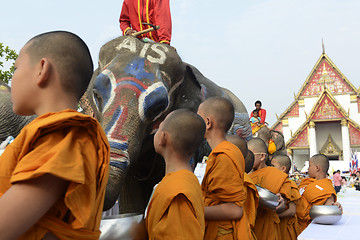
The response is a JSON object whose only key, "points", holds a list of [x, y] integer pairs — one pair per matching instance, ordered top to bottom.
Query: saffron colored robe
{"points": [[156, 12], [71, 146], [224, 182], [313, 192], [251, 202], [176, 208], [267, 221], [288, 224]]}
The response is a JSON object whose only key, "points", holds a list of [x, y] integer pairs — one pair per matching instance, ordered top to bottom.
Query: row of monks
{"points": [[226, 205]]}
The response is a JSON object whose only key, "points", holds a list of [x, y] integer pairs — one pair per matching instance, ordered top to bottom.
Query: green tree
{"points": [[7, 55]]}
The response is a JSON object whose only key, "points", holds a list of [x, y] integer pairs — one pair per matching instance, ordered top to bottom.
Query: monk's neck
{"points": [[215, 138], [175, 165], [262, 165], [320, 176]]}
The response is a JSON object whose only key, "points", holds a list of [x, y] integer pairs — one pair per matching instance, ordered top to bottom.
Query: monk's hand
{"points": [[130, 31], [282, 204], [339, 206], [138, 231]]}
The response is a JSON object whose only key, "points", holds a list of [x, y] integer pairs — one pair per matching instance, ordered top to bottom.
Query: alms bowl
{"points": [[267, 198], [325, 214], [118, 226]]}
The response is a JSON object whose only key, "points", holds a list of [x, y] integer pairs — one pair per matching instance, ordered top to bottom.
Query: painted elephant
{"points": [[135, 86], [10, 123], [277, 137]]}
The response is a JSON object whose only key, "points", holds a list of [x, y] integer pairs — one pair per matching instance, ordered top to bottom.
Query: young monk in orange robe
{"points": [[54, 174], [223, 183], [316, 190], [252, 196], [176, 208], [288, 219], [267, 220]]}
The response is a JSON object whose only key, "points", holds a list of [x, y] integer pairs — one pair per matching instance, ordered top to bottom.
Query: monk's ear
{"points": [[45, 69], [208, 123], [163, 138], [317, 167], [283, 168]]}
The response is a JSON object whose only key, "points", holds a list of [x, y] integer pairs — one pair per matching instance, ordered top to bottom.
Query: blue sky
{"points": [[259, 49]]}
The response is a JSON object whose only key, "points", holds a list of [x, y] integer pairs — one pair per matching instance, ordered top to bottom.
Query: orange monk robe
{"points": [[71, 146], [224, 182], [313, 192], [251, 202], [176, 208], [267, 221], [288, 224]]}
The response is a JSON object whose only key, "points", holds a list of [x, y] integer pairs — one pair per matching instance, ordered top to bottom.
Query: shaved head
{"points": [[69, 55], [221, 110], [187, 130], [239, 142], [257, 145], [249, 161], [283, 161], [322, 161]]}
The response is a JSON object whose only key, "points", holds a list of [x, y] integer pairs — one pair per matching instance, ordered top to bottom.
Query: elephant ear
{"points": [[189, 93], [278, 139]]}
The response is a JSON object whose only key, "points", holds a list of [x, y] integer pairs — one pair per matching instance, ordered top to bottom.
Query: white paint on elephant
{"points": [[128, 43], [144, 49], [161, 50], [112, 78], [175, 86], [142, 100]]}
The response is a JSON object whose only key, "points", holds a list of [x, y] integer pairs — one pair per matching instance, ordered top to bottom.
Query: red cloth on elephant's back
{"points": [[156, 12], [71, 146]]}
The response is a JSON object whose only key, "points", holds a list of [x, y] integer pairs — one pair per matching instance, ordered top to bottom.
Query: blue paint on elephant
{"points": [[137, 69], [103, 86], [155, 102], [114, 118], [122, 146], [122, 165]]}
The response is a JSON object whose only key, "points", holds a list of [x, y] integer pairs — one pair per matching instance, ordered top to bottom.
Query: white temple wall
{"points": [[344, 101], [309, 104], [354, 114], [300, 157]]}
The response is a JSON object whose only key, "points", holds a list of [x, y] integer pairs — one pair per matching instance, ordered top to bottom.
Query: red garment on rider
{"points": [[157, 12], [262, 115]]}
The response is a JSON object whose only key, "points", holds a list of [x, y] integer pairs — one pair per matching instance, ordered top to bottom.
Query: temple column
{"points": [[312, 139], [345, 140]]}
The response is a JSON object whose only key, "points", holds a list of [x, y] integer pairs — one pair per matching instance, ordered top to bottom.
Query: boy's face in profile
{"points": [[22, 84], [255, 114], [311, 169]]}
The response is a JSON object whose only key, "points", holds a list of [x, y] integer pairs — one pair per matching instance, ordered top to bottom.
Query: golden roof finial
{"points": [[323, 46]]}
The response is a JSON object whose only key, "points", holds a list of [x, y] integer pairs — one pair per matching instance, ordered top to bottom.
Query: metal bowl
{"points": [[267, 198], [325, 214], [118, 226]]}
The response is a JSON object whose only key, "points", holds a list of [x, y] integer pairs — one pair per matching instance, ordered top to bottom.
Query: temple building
{"points": [[323, 118]]}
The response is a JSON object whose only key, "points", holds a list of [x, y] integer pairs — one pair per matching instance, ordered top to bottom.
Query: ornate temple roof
{"points": [[324, 76], [326, 108]]}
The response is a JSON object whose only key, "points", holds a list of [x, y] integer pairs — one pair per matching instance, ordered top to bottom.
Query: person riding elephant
{"points": [[135, 86], [10, 123]]}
